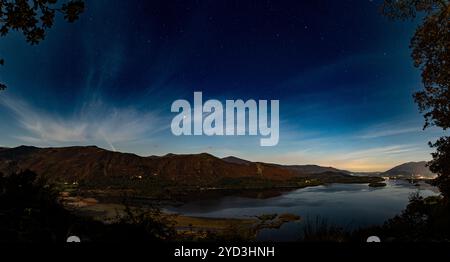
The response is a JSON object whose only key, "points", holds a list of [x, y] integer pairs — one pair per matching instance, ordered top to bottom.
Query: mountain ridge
{"points": [[72, 163], [97, 167]]}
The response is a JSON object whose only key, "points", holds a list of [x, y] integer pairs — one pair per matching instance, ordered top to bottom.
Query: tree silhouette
{"points": [[34, 18], [431, 53], [32, 211]]}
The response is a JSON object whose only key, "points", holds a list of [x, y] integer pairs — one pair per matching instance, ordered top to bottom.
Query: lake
{"points": [[348, 205]]}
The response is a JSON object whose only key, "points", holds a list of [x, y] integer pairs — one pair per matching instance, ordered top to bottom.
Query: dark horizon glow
{"points": [[342, 72]]}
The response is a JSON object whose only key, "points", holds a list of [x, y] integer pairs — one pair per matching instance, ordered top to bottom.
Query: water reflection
{"points": [[348, 205]]}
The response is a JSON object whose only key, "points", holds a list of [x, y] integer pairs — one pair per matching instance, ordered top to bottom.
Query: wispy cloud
{"points": [[95, 122], [389, 132], [378, 152]]}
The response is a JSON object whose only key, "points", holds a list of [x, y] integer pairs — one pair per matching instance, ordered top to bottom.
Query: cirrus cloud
{"points": [[95, 122]]}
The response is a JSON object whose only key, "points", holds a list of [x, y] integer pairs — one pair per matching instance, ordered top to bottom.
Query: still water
{"points": [[347, 205]]}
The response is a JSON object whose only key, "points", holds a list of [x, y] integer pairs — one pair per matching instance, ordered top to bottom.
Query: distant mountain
{"points": [[298, 169], [314, 169], [410, 170], [359, 173]]}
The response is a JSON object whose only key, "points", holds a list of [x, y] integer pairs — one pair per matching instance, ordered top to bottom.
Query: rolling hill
{"points": [[93, 163], [101, 168], [300, 170], [410, 170]]}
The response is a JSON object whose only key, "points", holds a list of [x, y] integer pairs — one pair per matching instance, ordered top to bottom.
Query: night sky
{"points": [[342, 72]]}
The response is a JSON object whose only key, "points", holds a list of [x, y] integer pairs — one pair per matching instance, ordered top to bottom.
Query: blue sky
{"points": [[342, 72]]}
